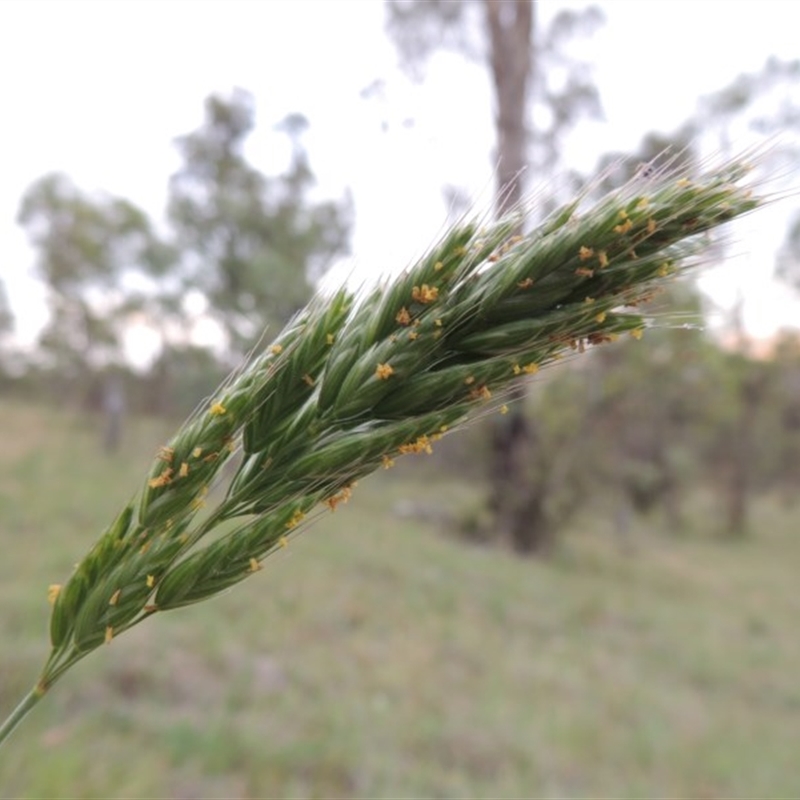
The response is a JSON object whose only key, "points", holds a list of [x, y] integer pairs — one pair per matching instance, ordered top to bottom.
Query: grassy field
{"points": [[376, 657]]}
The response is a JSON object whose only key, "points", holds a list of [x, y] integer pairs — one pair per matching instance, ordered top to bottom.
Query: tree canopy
{"points": [[251, 244], [248, 245], [89, 248]]}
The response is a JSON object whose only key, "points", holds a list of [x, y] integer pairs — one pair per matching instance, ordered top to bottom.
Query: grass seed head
{"points": [[354, 382]]}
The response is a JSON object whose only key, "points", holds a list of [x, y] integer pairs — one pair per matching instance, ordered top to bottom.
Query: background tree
{"points": [[505, 35], [540, 91], [763, 102], [251, 245], [242, 249], [90, 252], [787, 265], [6, 316], [7, 357], [784, 426], [656, 432]]}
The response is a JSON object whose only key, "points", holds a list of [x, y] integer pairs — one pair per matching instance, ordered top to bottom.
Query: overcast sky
{"points": [[99, 89]]}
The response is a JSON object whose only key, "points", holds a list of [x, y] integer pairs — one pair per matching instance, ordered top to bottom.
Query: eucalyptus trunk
{"points": [[511, 25]]}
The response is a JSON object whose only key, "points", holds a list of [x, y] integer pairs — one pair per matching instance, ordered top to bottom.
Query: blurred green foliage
{"points": [[634, 428]]}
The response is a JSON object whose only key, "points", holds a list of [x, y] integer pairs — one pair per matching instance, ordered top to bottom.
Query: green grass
{"points": [[376, 657]]}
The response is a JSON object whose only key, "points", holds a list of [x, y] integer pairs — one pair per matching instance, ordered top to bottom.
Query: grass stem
{"points": [[20, 712]]}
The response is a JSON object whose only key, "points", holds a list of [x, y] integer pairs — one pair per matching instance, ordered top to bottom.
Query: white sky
{"points": [[98, 89]]}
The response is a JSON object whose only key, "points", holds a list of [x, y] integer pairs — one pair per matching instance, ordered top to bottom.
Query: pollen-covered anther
{"points": [[651, 225], [623, 227], [585, 253], [602, 259], [583, 272], [526, 284], [425, 294], [403, 317], [637, 333], [276, 349], [384, 371], [308, 380], [481, 393], [217, 410], [421, 445], [165, 454], [387, 462], [184, 470], [162, 480], [341, 497], [296, 519], [254, 565], [53, 591], [114, 599], [109, 634]]}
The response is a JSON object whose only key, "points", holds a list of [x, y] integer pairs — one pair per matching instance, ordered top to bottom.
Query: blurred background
{"points": [[593, 595]]}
